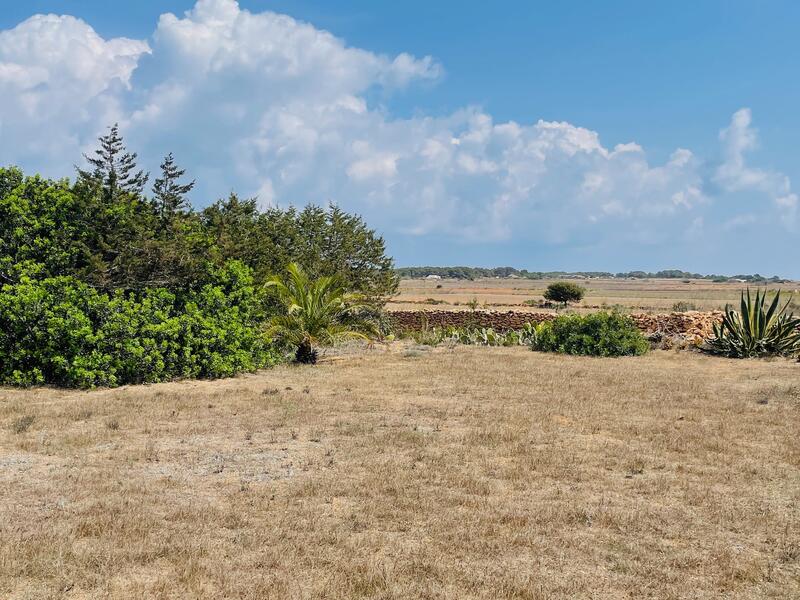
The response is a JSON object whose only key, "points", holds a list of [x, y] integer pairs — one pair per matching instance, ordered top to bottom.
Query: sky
{"points": [[611, 136]]}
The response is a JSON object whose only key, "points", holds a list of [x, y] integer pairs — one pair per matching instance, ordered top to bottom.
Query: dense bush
{"points": [[105, 284], [564, 291], [61, 331], [596, 334]]}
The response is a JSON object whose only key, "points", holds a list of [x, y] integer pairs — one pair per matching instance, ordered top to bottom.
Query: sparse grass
{"points": [[657, 295], [22, 424], [461, 473]]}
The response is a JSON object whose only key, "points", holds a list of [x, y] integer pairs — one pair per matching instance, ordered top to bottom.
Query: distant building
{"points": [[432, 277]]}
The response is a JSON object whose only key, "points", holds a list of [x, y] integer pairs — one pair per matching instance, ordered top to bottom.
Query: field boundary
{"points": [[692, 324]]}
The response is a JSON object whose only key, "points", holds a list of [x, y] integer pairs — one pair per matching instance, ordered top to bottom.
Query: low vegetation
{"points": [[684, 306], [318, 312], [757, 329], [596, 334], [473, 336], [453, 473]]}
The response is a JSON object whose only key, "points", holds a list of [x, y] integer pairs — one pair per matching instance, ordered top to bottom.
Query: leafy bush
{"points": [[564, 292], [756, 329], [61, 331], [596, 334]]}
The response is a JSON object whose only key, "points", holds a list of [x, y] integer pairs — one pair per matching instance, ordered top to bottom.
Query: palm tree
{"points": [[319, 312]]}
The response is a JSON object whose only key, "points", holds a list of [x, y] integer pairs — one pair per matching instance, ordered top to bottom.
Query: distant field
{"points": [[656, 295], [408, 473]]}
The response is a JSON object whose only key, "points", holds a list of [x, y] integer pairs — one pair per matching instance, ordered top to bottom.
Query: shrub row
{"points": [[61, 331], [597, 334]]}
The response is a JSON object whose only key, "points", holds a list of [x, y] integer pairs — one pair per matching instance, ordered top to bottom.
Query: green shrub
{"points": [[564, 292], [756, 330], [62, 331], [596, 334]]}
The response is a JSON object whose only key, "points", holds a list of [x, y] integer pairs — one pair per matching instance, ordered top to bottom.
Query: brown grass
{"points": [[657, 295], [463, 473]]}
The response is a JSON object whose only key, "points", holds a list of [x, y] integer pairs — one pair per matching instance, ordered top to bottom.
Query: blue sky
{"points": [[583, 135]]}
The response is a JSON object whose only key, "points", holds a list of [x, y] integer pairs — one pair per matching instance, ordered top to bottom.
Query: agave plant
{"points": [[317, 313], [756, 329]]}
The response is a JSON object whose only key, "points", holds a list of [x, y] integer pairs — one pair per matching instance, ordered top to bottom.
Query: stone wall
{"points": [[499, 321], [691, 325]]}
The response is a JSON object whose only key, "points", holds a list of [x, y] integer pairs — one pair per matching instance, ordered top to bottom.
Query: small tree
{"points": [[113, 168], [169, 194], [564, 292], [318, 312]]}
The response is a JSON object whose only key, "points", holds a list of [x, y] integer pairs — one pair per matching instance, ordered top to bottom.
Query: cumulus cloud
{"points": [[57, 78], [268, 105], [734, 174]]}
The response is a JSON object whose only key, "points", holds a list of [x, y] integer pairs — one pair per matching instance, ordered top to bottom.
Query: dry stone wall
{"points": [[692, 326]]}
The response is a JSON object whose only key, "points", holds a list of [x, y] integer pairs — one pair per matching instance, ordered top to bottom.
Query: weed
{"points": [[22, 424]]}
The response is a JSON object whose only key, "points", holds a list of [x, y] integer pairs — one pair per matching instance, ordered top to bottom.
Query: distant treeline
{"points": [[504, 272]]}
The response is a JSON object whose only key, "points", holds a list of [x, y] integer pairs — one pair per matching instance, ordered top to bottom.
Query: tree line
{"points": [[107, 231], [505, 272], [104, 281]]}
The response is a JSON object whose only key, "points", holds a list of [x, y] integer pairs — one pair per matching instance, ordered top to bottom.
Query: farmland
{"points": [[657, 295], [401, 471]]}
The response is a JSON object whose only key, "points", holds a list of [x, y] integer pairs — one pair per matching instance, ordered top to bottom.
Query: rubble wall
{"points": [[691, 325]]}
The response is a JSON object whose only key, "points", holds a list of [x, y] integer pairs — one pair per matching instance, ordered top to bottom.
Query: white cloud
{"points": [[57, 79], [268, 105], [734, 174], [788, 206]]}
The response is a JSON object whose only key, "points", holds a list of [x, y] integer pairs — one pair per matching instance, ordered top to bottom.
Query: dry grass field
{"points": [[657, 295], [408, 473]]}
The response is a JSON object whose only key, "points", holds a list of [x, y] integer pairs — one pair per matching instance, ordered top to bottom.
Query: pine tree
{"points": [[113, 168], [169, 195]]}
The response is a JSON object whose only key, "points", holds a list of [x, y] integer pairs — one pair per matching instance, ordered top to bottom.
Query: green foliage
{"points": [[169, 194], [36, 227], [103, 230], [323, 242], [102, 285], [564, 292], [316, 312], [756, 329], [61, 331], [596, 334], [474, 336]]}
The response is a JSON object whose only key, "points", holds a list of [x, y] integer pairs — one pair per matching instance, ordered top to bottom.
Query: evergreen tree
{"points": [[113, 168], [169, 195]]}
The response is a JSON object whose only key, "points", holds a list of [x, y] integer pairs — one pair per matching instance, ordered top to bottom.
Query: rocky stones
{"points": [[691, 327]]}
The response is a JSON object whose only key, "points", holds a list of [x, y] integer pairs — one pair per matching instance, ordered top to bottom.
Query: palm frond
{"points": [[318, 312]]}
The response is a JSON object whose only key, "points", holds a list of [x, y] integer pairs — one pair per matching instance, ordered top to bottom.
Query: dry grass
{"points": [[656, 295], [464, 473]]}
